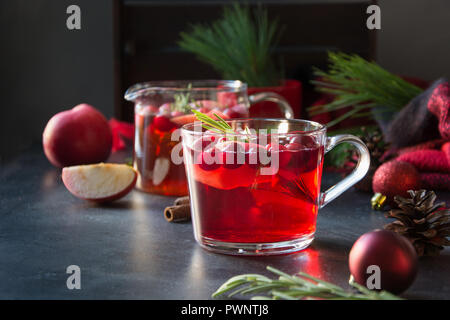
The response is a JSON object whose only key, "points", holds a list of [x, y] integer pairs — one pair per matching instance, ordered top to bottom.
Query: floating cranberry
{"points": [[163, 123], [305, 141], [204, 142], [293, 146], [275, 147], [254, 153], [233, 154], [284, 156], [208, 159], [304, 159]]}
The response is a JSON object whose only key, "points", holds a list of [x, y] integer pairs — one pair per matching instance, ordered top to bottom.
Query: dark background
{"points": [[46, 68]]}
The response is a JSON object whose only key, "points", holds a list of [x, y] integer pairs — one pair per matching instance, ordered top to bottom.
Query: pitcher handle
{"points": [[283, 104], [356, 175]]}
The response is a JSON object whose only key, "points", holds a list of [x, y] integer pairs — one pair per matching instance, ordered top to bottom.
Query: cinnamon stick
{"points": [[182, 201], [178, 213]]}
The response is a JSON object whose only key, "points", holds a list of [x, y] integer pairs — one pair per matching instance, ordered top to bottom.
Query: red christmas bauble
{"points": [[395, 178], [387, 253]]}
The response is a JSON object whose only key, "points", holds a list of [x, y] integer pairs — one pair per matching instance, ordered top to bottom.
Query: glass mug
{"points": [[163, 107], [252, 207]]}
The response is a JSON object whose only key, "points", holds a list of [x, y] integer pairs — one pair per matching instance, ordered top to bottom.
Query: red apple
{"points": [[78, 136], [99, 182]]}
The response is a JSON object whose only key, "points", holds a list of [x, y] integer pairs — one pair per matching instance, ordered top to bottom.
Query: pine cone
{"points": [[375, 143], [377, 147], [425, 224]]}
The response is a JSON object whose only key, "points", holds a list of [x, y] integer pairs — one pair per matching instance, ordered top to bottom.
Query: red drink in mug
{"points": [[261, 194]]}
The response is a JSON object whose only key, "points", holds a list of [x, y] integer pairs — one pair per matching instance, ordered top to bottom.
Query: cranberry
{"points": [[163, 123], [295, 139], [305, 140], [204, 143], [293, 146], [271, 147], [233, 154], [253, 155], [210, 156], [284, 156], [306, 159]]}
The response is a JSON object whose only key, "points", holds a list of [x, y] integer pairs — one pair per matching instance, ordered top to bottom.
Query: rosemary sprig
{"points": [[361, 85], [182, 100], [219, 125], [299, 286]]}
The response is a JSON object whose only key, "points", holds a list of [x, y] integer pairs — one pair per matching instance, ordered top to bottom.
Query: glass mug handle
{"points": [[283, 104], [356, 175]]}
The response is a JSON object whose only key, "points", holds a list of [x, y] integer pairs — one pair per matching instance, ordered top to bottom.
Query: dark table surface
{"points": [[127, 250]]}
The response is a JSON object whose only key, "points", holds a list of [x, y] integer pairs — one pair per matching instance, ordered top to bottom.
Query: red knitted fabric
{"points": [[439, 105], [432, 144], [446, 149], [432, 158], [427, 160], [435, 181]]}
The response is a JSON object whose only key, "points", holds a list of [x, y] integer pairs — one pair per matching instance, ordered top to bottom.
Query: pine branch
{"points": [[238, 46], [361, 85]]}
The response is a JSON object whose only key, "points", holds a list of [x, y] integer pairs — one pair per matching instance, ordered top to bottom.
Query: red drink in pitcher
{"points": [[154, 144]]}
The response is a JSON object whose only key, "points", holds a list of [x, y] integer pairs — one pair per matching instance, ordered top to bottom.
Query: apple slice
{"points": [[99, 182]]}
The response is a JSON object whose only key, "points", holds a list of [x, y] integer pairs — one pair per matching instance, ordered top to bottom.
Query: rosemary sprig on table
{"points": [[361, 85], [296, 287]]}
